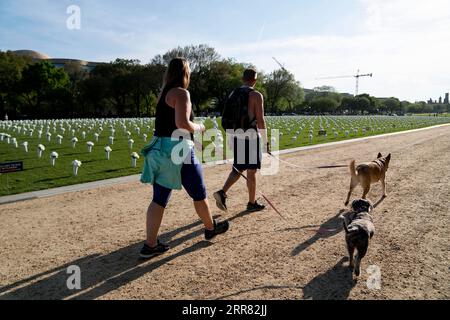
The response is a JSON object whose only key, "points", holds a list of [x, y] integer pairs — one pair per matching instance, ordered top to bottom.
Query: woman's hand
{"points": [[201, 128]]}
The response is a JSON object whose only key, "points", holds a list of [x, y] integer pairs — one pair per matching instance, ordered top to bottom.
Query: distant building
{"points": [[57, 62], [446, 100]]}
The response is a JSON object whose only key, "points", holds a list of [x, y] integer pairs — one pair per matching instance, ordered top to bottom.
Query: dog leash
{"points": [[307, 168], [262, 194], [321, 231]]}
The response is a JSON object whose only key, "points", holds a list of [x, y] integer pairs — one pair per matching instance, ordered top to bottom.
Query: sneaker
{"points": [[221, 199], [254, 207], [219, 228], [147, 252]]}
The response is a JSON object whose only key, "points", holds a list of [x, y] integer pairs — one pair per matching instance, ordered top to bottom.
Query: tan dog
{"points": [[368, 173]]}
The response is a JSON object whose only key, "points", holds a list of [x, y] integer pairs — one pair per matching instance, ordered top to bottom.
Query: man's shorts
{"points": [[247, 153]]}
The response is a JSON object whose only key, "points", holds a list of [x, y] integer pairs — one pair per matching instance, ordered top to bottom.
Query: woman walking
{"points": [[174, 113]]}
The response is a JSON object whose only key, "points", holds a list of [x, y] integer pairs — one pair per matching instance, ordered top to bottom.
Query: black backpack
{"points": [[235, 114]]}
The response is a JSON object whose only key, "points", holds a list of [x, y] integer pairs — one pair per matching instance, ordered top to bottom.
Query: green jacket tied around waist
{"points": [[158, 164]]}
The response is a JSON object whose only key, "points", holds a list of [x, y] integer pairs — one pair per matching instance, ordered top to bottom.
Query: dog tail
{"points": [[353, 168]]}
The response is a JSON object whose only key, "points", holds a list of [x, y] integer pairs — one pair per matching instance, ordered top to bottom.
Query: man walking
{"points": [[244, 121]]}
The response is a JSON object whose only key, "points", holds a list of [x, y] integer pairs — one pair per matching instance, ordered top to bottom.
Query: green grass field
{"points": [[39, 174]]}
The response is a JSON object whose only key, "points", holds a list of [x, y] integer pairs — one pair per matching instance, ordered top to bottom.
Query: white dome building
{"points": [[57, 62]]}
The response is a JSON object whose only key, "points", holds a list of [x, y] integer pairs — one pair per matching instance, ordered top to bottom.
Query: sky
{"points": [[404, 43]]}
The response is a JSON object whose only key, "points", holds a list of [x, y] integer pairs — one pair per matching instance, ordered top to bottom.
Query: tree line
{"points": [[128, 88]]}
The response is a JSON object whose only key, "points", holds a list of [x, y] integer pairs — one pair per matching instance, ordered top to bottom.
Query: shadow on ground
{"points": [[327, 230], [100, 273], [103, 273], [335, 284]]}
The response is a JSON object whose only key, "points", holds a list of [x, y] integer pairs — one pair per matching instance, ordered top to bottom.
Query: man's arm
{"points": [[258, 107]]}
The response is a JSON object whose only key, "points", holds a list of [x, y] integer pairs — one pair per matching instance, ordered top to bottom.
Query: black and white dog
{"points": [[359, 230]]}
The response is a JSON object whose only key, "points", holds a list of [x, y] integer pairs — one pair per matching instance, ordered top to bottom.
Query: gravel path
{"points": [[262, 256]]}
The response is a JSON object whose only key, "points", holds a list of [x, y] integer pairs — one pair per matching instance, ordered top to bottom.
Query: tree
{"points": [[199, 57], [11, 67], [76, 72], [154, 74], [155, 77], [223, 77], [116, 78], [39, 83], [278, 84], [143, 85], [128, 88], [326, 94], [295, 96], [92, 99], [320, 101], [361, 104], [374, 104], [323, 105], [355, 105], [390, 105], [404, 106], [417, 108], [439, 108]]}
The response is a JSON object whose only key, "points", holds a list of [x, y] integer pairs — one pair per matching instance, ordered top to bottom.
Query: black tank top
{"points": [[165, 123]]}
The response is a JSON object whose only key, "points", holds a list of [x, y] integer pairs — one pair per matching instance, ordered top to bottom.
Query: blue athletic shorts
{"points": [[192, 180]]}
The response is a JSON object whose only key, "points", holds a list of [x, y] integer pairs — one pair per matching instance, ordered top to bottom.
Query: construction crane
{"points": [[279, 63], [357, 76]]}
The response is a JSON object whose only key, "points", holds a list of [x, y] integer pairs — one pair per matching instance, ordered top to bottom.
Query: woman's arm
{"points": [[183, 110]]}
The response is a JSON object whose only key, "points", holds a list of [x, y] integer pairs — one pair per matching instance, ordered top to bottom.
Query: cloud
{"points": [[407, 15], [42, 26], [404, 43]]}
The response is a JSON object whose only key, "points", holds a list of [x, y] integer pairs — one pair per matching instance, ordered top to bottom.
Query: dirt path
{"points": [[262, 257]]}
